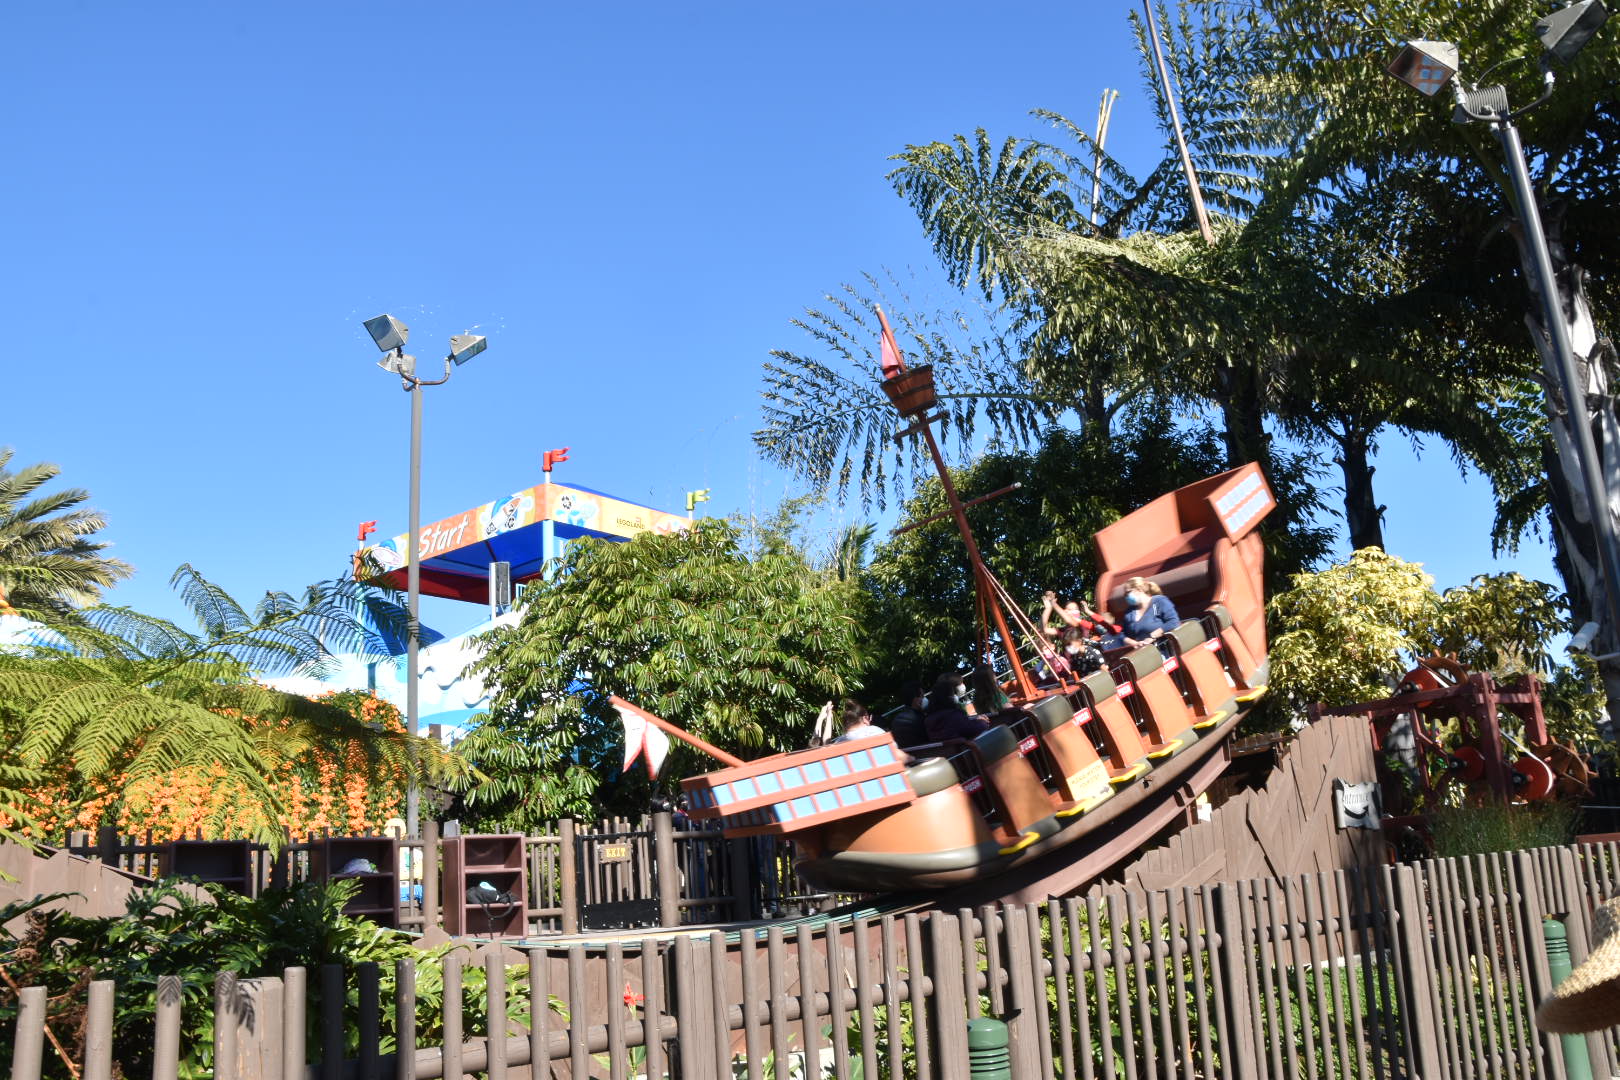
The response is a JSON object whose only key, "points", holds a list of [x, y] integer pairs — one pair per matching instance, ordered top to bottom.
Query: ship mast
{"points": [[911, 391]]}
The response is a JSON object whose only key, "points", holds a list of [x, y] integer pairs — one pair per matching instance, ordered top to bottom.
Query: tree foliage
{"points": [[49, 562], [1348, 633], [740, 651], [124, 697]]}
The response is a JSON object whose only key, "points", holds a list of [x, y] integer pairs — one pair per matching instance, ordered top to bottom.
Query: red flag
{"points": [[893, 362]]}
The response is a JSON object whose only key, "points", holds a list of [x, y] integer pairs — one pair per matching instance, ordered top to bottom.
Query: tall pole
{"points": [[1175, 122], [1569, 376], [413, 594]]}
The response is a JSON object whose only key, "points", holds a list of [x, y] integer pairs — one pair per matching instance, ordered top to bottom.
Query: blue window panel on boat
{"points": [[883, 754], [860, 761], [838, 766], [815, 772], [792, 778], [768, 783], [894, 784], [746, 789], [871, 789], [722, 794], [848, 795], [826, 800], [802, 806], [783, 811]]}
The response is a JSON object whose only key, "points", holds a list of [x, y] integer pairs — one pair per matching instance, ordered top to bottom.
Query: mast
{"points": [[911, 391]]}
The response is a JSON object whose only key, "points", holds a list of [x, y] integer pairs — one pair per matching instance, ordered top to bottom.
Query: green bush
{"points": [[167, 930]]}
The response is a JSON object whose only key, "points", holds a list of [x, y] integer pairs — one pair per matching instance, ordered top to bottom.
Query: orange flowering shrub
{"points": [[338, 788]]}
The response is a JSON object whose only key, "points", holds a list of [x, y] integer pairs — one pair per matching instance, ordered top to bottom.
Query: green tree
{"points": [[1351, 121], [49, 562], [1349, 632], [740, 651], [117, 695]]}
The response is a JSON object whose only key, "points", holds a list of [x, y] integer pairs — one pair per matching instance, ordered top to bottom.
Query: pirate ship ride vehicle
{"points": [[1063, 758]]}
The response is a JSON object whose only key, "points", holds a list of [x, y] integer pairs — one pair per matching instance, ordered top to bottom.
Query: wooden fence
{"points": [[570, 885], [1427, 970]]}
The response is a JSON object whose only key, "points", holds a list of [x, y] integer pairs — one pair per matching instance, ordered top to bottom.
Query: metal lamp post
{"points": [[1428, 66], [390, 335]]}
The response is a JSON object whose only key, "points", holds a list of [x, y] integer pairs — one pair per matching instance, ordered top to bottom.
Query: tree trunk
{"points": [[1244, 416], [1362, 514], [1575, 543]]}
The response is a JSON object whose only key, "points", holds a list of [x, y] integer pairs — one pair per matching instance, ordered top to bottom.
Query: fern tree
{"points": [[1330, 61], [50, 563], [122, 696]]}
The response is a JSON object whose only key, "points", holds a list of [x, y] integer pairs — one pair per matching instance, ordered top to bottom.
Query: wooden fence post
{"points": [[107, 845], [667, 869], [568, 872], [430, 876], [690, 988], [949, 997], [1419, 1010], [1023, 1023], [250, 1029], [1238, 1040]]}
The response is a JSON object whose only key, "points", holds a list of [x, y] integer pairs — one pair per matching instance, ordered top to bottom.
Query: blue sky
{"points": [[631, 201]]}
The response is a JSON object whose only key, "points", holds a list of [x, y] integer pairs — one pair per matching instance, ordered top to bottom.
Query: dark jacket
{"points": [[948, 720], [906, 725]]}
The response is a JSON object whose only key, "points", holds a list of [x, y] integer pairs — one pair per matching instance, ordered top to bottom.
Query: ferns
{"points": [[130, 696]]}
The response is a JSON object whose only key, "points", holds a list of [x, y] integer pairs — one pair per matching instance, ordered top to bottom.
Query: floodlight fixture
{"points": [[1566, 31], [1425, 66], [388, 332], [463, 347], [400, 363]]}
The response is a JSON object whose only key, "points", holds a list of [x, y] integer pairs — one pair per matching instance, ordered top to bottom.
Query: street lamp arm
{"points": [[411, 382]]}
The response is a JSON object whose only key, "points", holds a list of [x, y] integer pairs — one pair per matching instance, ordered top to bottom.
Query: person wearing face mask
{"points": [[1149, 614], [1080, 655], [946, 718]]}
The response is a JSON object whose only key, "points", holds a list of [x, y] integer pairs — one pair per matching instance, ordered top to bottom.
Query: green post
{"points": [[988, 1058], [1577, 1063]]}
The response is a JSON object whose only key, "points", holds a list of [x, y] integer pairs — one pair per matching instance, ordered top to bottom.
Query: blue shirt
{"points": [[1160, 614]]}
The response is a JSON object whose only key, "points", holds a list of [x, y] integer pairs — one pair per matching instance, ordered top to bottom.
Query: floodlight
{"points": [[1566, 31], [1425, 66], [388, 332], [463, 347], [400, 363]]}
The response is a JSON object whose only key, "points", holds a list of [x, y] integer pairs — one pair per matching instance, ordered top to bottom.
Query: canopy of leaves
{"points": [[49, 563], [1349, 632], [739, 651], [127, 697]]}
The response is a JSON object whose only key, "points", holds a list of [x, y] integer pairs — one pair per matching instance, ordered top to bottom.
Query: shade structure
{"points": [[457, 551]]}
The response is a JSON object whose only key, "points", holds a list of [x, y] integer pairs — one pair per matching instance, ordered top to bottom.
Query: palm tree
{"points": [[49, 565], [120, 696]]}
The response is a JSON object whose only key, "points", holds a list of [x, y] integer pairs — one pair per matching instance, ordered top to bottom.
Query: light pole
{"points": [[1428, 66], [390, 335]]}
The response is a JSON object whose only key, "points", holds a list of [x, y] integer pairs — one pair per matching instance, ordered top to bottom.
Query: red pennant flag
{"points": [[893, 362]]}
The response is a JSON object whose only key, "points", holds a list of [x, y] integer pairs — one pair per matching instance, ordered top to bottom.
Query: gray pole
{"points": [[1568, 375], [413, 587]]}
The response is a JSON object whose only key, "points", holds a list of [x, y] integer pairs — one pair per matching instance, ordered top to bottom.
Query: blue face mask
{"points": [[1133, 600]]}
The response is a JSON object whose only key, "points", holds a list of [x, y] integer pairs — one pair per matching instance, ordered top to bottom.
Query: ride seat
{"points": [[1201, 675], [1164, 712], [1127, 752], [1020, 796]]}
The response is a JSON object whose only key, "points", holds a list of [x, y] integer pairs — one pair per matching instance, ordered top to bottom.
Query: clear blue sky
{"points": [[631, 201]]}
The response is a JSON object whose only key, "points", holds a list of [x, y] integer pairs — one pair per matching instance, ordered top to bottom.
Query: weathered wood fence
{"points": [[664, 872], [1428, 970]]}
